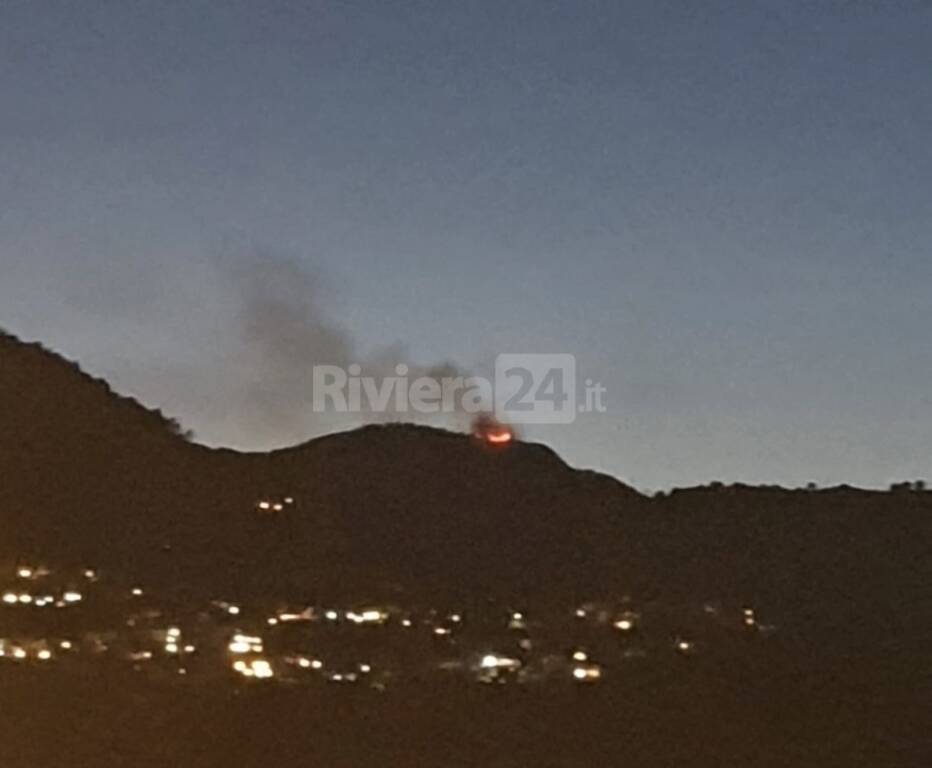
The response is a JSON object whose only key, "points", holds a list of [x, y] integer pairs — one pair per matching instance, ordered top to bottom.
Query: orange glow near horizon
{"points": [[492, 432]]}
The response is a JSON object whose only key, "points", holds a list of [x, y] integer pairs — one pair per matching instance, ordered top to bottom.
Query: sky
{"points": [[722, 209]]}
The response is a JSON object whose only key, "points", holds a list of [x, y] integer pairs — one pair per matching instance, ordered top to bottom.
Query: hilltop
{"points": [[91, 476]]}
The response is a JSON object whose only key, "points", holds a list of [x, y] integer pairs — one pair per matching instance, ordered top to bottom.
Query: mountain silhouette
{"points": [[93, 478]]}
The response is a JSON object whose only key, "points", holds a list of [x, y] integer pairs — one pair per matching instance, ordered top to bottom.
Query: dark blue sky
{"points": [[723, 209]]}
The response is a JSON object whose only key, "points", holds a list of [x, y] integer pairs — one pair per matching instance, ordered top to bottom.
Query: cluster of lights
{"points": [[267, 505], [14, 597], [41, 601], [370, 616], [241, 644], [173, 645], [247, 650], [16, 651], [305, 663], [255, 668], [496, 668], [259, 669], [584, 670], [587, 673], [349, 677]]}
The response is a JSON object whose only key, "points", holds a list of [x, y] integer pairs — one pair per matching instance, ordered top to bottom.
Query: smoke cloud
{"points": [[283, 333]]}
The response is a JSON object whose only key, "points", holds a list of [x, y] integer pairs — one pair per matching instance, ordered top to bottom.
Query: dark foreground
{"points": [[847, 713]]}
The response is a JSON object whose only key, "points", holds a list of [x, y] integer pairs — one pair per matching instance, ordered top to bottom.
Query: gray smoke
{"points": [[284, 334]]}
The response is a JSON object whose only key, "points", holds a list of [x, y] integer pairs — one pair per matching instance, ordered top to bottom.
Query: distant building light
{"points": [[370, 616], [241, 644], [684, 646], [493, 661], [261, 669], [587, 674]]}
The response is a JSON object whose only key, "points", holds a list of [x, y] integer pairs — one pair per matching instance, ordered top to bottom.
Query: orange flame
{"points": [[492, 432], [499, 438]]}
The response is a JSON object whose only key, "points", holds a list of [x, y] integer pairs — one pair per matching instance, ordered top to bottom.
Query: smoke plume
{"points": [[284, 332]]}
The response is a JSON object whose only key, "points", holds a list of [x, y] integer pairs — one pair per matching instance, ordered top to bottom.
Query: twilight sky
{"points": [[723, 209]]}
